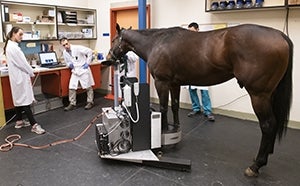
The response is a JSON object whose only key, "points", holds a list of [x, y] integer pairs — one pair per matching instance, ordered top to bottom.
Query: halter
{"points": [[121, 50], [114, 57]]}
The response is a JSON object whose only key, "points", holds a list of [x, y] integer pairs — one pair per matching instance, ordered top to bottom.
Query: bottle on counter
{"points": [[95, 54]]}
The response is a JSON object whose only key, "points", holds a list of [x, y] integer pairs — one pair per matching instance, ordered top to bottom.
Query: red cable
{"points": [[12, 139]]}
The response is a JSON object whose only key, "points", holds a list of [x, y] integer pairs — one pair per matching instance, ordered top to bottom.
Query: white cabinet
{"points": [[37, 21], [48, 22], [76, 23]]}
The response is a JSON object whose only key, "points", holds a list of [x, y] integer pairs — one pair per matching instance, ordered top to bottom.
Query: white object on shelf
{"points": [[26, 19], [90, 19], [87, 32]]}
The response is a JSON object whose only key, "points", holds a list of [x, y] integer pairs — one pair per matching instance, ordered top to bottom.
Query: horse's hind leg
{"points": [[175, 93], [163, 94], [263, 110]]}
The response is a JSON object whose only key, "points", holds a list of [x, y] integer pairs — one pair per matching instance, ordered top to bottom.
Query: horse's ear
{"points": [[118, 28]]}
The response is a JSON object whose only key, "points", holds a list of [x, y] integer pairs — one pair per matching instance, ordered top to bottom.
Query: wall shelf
{"points": [[268, 5], [247, 9], [45, 22], [30, 23], [76, 23]]}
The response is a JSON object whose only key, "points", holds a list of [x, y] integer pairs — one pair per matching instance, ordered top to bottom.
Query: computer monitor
{"points": [[48, 59]]}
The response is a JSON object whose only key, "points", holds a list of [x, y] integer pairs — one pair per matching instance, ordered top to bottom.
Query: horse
{"points": [[259, 57]]}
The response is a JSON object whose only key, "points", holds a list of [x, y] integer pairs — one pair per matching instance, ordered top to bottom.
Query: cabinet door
{"points": [[96, 71], [65, 75], [50, 83], [6, 93]]}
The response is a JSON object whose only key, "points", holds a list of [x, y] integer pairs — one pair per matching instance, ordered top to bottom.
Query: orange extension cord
{"points": [[12, 139]]}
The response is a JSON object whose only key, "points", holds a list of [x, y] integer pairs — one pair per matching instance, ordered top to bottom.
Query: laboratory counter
{"points": [[53, 81]]}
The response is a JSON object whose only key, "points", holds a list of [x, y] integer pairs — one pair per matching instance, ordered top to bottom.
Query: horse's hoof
{"points": [[170, 128], [168, 131], [250, 173]]}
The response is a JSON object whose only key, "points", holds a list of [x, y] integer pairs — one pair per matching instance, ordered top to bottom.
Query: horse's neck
{"points": [[141, 43]]}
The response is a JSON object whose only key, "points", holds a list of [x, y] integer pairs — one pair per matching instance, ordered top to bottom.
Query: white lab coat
{"points": [[79, 56], [132, 58], [19, 72], [196, 87]]}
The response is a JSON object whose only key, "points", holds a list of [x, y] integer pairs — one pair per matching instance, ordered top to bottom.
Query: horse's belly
{"points": [[202, 79]]}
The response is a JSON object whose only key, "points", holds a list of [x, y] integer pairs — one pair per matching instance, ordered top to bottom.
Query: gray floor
{"points": [[220, 151]]}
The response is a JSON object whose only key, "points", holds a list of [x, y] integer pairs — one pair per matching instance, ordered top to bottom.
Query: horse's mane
{"points": [[160, 30], [162, 33]]}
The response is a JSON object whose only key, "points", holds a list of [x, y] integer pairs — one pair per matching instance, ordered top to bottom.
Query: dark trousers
{"points": [[28, 113]]}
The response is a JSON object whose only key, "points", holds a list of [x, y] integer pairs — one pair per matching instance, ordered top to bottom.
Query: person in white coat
{"points": [[78, 58], [132, 58], [128, 69], [20, 73]]}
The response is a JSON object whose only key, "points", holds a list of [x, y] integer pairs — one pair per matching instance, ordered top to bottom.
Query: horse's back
{"points": [[230, 52]]}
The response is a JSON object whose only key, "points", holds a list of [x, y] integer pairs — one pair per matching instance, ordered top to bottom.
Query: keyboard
{"points": [[56, 66]]}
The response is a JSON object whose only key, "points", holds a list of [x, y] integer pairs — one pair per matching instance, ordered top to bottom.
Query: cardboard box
{"points": [[294, 2], [50, 13], [13, 17]]}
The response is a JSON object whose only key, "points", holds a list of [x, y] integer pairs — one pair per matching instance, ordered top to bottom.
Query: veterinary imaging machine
{"points": [[131, 131]]}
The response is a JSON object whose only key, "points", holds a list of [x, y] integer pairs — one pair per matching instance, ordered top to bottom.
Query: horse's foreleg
{"points": [[175, 93], [163, 95], [263, 110]]}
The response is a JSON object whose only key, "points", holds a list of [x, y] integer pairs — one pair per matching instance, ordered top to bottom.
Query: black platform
{"points": [[220, 151]]}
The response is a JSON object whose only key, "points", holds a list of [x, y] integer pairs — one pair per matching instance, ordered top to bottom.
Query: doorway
{"points": [[126, 17]]}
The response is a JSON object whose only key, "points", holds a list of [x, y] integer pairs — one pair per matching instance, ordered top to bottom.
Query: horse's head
{"points": [[119, 47]]}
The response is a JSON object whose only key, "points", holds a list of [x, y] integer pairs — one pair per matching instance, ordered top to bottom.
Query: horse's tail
{"points": [[282, 97]]}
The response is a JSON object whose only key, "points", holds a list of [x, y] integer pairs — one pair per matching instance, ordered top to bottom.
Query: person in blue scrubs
{"points": [[205, 99]]}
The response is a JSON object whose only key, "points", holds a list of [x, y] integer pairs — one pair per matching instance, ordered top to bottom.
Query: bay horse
{"points": [[259, 57]]}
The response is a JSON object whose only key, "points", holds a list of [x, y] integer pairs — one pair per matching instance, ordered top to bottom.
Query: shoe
{"points": [[88, 106], [69, 107], [193, 113], [210, 117], [23, 124], [36, 128]]}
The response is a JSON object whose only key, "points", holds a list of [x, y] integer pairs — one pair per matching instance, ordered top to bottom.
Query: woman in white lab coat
{"points": [[78, 58], [20, 73]]}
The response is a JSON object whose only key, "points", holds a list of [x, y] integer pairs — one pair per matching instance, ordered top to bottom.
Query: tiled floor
{"points": [[220, 151]]}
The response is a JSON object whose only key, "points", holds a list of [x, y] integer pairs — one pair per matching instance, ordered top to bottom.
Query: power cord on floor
{"points": [[220, 106], [12, 139]]}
